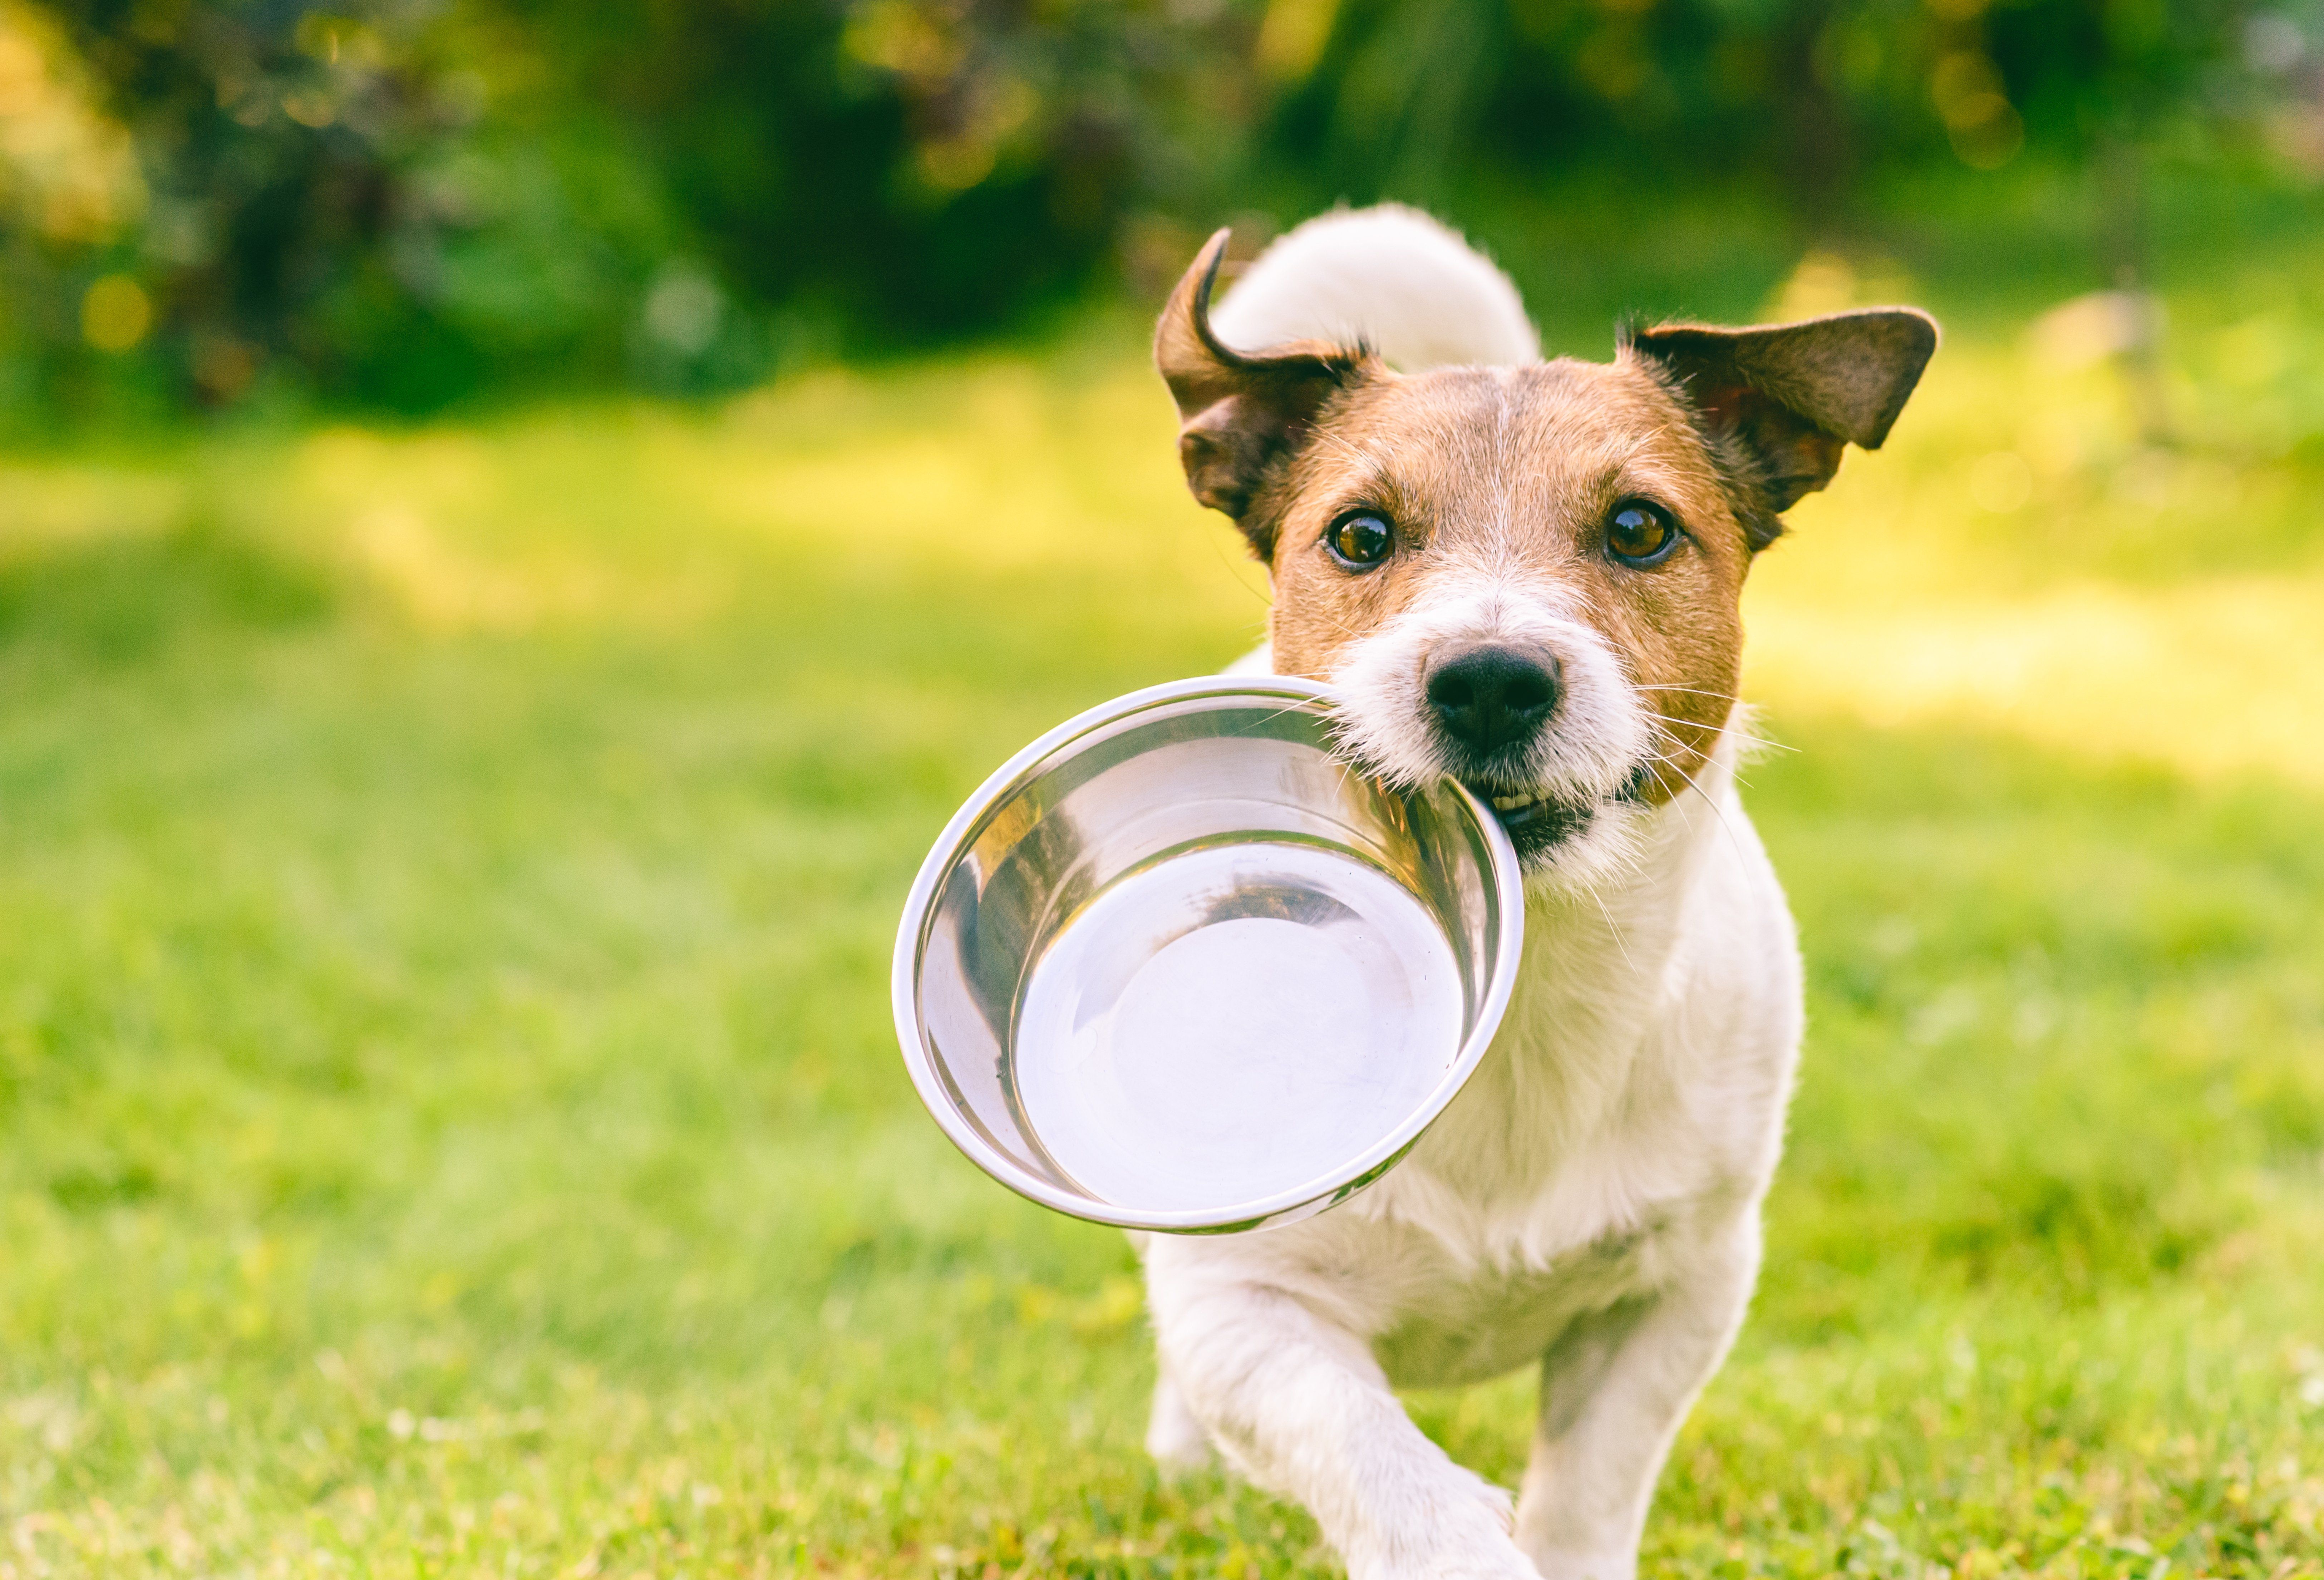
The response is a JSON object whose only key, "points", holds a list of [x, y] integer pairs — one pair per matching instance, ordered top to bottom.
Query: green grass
{"points": [[449, 1122]]}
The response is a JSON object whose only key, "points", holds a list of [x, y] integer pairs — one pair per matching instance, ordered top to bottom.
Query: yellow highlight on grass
{"points": [[2014, 561], [2212, 680]]}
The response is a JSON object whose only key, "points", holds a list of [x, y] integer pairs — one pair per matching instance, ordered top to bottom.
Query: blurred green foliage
{"points": [[396, 203]]}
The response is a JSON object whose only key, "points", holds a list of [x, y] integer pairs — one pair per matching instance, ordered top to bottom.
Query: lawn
{"points": [[449, 1122]]}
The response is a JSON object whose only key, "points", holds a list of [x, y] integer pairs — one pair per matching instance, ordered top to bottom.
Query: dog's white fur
{"points": [[1390, 277], [1591, 1200]]}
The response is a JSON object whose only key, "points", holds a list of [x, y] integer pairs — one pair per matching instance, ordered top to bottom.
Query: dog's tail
{"points": [[1390, 278]]}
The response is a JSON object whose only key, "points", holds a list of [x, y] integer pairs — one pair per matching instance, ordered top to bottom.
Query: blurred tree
{"points": [[903, 168], [69, 193], [397, 202]]}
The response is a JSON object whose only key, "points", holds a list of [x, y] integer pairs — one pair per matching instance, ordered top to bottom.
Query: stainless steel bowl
{"points": [[1175, 966]]}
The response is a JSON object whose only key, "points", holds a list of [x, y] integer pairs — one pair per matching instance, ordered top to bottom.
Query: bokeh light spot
{"points": [[115, 313]]}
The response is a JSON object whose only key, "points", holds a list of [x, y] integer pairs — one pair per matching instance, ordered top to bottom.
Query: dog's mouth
{"points": [[1538, 822]]}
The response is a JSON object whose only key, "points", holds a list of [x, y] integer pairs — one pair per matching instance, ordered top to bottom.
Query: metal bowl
{"points": [[1176, 966]]}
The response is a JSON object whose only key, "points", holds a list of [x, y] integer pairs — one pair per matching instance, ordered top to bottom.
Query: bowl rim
{"points": [[1282, 1207]]}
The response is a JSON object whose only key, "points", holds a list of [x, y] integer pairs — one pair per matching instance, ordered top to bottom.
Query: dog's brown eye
{"points": [[1640, 533], [1360, 540]]}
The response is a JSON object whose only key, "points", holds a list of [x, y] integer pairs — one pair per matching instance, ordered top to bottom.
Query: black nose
{"points": [[1489, 697]]}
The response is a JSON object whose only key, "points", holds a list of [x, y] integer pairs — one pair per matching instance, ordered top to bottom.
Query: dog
{"points": [[1524, 574]]}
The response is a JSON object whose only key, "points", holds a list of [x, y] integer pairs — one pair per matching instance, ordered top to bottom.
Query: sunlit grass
{"points": [[2013, 560], [449, 1119]]}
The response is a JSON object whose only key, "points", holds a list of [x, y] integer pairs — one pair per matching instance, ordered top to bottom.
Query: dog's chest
{"points": [[1492, 1322]]}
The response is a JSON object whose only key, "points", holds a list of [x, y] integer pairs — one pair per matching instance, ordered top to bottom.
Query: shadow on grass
{"points": [[119, 601]]}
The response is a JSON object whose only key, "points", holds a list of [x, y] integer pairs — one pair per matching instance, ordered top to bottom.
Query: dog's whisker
{"points": [[1264, 601], [1695, 690], [1290, 707], [1672, 718], [1744, 737], [1746, 742], [1716, 810], [1615, 931]]}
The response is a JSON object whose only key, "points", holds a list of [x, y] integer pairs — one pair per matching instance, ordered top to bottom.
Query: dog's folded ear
{"points": [[1780, 402], [1240, 414]]}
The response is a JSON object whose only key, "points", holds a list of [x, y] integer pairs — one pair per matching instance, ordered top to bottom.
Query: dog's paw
{"points": [[1467, 1536], [1474, 1553], [1488, 1558], [1500, 1562], [1571, 1566]]}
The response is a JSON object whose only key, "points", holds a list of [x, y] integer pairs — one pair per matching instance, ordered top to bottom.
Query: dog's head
{"points": [[1528, 577]]}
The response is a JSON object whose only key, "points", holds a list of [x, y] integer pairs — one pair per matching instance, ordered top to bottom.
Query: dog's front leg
{"points": [[1614, 1388], [1299, 1406]]}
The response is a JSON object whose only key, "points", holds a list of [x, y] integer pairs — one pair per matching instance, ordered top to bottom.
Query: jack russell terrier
{"points": [[1524, 574]]}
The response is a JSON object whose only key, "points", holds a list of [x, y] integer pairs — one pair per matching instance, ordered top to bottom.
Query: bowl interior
{"points": [[1183, 968]]}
